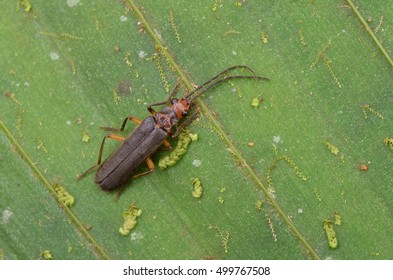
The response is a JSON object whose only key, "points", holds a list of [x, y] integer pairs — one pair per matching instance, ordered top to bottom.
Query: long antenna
{"points": [[218, 79]]}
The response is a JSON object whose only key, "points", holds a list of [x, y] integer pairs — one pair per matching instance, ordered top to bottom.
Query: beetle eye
{"points": [[184, 113]]}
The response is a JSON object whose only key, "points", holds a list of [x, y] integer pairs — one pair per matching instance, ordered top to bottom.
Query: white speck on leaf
{"points": [[72, 3], [142, 54], [54, 56], [277, 139], [196, 162], [7, 213], [136, 235]]}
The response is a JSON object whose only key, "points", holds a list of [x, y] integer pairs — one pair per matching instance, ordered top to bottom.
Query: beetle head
{"points": [[181, 107]]}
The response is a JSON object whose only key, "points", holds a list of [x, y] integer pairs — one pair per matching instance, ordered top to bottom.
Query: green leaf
{"points": [[311, 154]]}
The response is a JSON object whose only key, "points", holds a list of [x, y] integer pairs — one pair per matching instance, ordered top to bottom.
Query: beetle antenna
{"points": [[218, 79]]}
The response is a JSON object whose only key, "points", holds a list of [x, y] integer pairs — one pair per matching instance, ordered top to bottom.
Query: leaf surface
{"points": [[271, 175]]}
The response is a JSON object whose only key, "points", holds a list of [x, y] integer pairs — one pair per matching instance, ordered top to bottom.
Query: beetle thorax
{"points": [[166, 119]]}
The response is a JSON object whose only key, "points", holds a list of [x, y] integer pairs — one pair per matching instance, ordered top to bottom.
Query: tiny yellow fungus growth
{"points": [[180, 149], [198, 190], [63, 196], [130, 219], [330, 234], [224, 235], [47, 255]]}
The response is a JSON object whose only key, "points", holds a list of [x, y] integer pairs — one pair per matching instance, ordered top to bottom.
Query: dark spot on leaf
{"points": [[124, 87]]}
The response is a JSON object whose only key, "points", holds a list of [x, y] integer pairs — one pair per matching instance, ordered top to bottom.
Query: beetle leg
{"points": [[129, 118], [186, 123], [110, 136], [167, 144], [150, 164]]}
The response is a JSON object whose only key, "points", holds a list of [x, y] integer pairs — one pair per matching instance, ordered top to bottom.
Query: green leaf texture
{"points": [[317, 150]]}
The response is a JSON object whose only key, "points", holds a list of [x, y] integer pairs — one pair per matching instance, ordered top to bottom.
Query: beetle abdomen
{"points": [[136, 148]]}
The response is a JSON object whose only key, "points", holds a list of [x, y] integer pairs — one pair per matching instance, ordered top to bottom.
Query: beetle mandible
{"points": [[151, 133]]}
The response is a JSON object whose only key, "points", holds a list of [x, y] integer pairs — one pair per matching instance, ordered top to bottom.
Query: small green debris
{"points": [[24, 3], [217, 4], [237, 4], [173, 25], [376, 30], [231, 32], [60, 36], [264, 38], [302, 40], [321, 55], [157, 58], [127, 59], [328, 64], [116, 97], [13, 98], [255, 102], [366, 108], [19, 123], [193, 136], [85, 137], [388, 142], [40, 145], [180, 149], [333, 149], [342, 158], [273, 164], [295, 168], [198, 190], [317, 195], [63, 196], [221, 200], [258, 205], [130, 216], [337, 219], [271, 226], [88, 227], [330, 234], [224, 235], [46, 255]]}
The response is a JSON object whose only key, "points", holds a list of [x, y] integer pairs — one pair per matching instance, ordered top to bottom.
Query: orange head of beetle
{"points": [[181, 107]]}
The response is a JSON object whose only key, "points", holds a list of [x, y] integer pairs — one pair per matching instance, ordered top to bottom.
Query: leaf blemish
{"points": [[173, 25], [328, 63], [366, 108], [388, 142], [181, 148], [273, 164], [198, 190], [63, 196], [6, 215], [130, 219], [271, 226], [330, 234], [224, 235]]}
